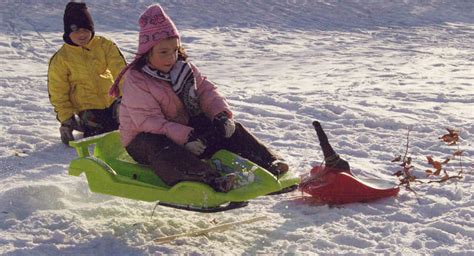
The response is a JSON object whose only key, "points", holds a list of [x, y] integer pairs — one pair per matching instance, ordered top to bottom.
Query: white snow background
{"points": [[368, 70]]}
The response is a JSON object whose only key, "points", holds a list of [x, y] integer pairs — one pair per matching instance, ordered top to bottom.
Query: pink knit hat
{"points": [[155, 25]]}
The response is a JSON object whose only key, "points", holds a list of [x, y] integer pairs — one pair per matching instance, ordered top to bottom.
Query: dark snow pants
{"points": [[98, 121], [173, 163]]}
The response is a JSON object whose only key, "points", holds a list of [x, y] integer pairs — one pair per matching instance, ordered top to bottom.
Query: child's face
{"points": [[81, 36], [164, 55]]}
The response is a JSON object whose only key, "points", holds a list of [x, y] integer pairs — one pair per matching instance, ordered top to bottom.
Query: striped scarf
{"points": [[183, 83]]}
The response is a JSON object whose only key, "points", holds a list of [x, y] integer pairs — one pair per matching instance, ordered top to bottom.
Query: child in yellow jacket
{"points": [[80, 75]]}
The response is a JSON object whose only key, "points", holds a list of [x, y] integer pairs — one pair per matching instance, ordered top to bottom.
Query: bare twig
{"points": [[407, 178], [201, 232]]}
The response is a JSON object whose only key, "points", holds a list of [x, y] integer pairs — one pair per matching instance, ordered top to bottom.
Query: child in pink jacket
{"points": [[171, 116]]}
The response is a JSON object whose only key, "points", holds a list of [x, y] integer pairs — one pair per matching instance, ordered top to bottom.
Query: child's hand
{"points": [[224, 125], [66, 130], [195, 145]]}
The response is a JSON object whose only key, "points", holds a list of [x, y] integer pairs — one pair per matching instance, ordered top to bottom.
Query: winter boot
{"points": [[278, 167], [224, 183]]}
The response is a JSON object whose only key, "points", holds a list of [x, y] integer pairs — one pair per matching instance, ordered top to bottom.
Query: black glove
{"points": [[224, 125], [66, 130], [195, 145]]}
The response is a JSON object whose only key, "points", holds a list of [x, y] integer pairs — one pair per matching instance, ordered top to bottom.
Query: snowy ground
{"points": [[368, 70]]}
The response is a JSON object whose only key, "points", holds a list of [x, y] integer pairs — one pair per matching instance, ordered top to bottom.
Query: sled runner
{"points": [[110, 170], [334, 183]]}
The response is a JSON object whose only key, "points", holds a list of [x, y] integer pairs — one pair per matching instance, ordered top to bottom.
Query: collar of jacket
{"points": [[87, 47]]}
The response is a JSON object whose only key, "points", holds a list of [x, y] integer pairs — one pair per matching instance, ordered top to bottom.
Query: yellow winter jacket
{"points": [[79, 78]]}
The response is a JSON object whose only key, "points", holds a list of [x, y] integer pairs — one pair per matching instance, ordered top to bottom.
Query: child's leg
{"points": [[98, 121], [242, 143], [248, 146], [171, 162]]}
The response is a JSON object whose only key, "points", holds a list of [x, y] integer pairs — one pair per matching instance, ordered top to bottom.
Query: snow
{"points": [[368, 70]]}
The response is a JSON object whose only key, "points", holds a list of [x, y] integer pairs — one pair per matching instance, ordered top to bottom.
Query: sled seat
{"points": [[107, 149]]}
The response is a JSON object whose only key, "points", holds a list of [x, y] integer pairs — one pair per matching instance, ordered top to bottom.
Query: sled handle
{"points": [[82, 145]]}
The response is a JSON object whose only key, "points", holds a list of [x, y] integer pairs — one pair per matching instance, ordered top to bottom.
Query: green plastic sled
{"points": [[110, 170]]}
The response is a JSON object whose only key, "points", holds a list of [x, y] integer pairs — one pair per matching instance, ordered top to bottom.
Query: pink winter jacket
{"points": [[150, 105]]}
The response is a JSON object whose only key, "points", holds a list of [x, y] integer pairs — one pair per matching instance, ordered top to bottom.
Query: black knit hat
{"points": [[76, 16]]}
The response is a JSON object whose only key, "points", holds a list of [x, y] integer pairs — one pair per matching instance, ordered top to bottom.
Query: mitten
{"points": [[224, 125], [66, 130], [195, 145]]}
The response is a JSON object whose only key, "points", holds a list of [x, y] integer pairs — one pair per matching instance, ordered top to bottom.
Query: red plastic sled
{"points": [[343, 187]]}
